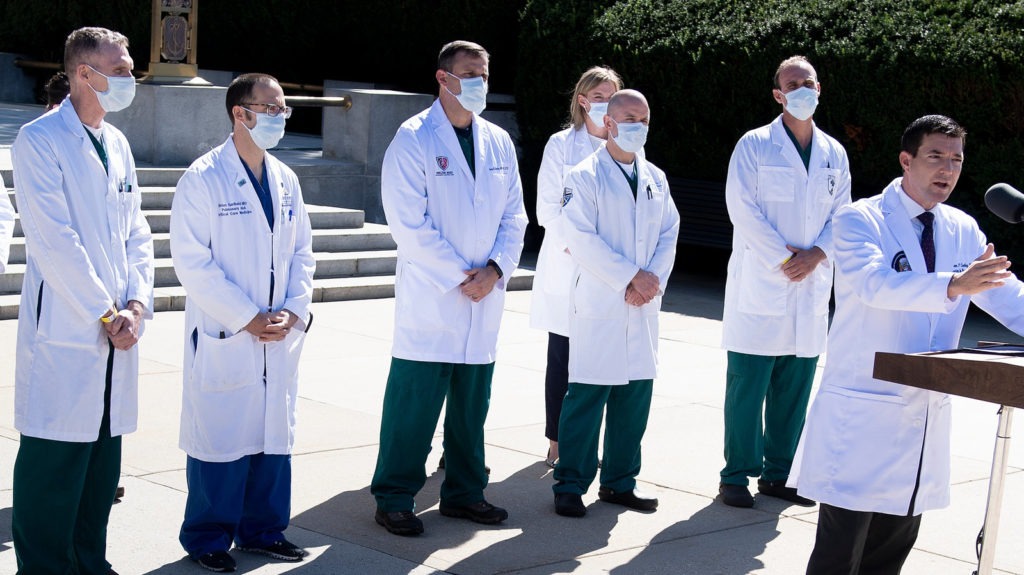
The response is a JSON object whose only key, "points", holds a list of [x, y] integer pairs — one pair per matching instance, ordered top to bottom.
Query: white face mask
{"points": [[120, 92], [474, 93], [802, 102], [597, 112], [268, 130], [632, 136]]}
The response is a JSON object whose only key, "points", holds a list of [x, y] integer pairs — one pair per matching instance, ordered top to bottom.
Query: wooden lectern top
{"points": [[993, 373]]}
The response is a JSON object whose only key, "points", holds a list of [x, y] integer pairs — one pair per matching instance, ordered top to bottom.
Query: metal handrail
{"points": [[319, 101]]}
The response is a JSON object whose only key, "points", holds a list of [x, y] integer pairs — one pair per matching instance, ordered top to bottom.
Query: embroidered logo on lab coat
{"points": [[442, 162], [566, 196], [900, 262]]}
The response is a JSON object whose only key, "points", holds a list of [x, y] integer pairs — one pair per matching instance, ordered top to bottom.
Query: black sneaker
{"points": [[779, 489], [480, 512], [399, 522], [282, 550], [218, 561]]}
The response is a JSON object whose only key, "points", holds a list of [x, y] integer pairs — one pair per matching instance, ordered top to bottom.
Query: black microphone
{"points": [[1006, 202]]}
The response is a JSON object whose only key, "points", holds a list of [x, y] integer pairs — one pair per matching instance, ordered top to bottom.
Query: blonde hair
{"points": [[590, 79]]}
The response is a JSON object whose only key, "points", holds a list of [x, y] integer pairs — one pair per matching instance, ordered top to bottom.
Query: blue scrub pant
{"points": [[771, 389], [415, 393], [628, 407], [247, 501]]}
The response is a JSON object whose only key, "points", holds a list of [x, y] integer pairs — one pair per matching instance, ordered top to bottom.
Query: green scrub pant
{"points": [[415, 393], [765, 407], [579, 430]]}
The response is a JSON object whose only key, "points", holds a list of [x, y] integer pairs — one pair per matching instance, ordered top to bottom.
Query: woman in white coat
{"points": [[550, 300]]}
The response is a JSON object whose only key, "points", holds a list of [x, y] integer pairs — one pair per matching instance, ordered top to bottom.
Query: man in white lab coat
{"points": [[786, 180], [454, 203], [621, 227], [242, 247], [88, 286], [875, 454]]}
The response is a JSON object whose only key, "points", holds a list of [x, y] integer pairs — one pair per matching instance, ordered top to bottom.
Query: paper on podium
{"points": [[993, 373]]}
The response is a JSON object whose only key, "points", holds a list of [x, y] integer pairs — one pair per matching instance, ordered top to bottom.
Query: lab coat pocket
{"points": [[776, 183], [826, 184], [822, 277], [762, 291], [595, 299], [225, 364], [859, 425]]}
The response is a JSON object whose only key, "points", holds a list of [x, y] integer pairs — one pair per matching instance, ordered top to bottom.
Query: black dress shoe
{"points": [[779, 489], [735, 495], [632, 499], [569, 505], [480, 512], [399, 522], [282, 550], [218, 562]]}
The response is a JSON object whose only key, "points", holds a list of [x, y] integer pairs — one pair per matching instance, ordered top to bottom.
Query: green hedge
{"points": [[706, 66]]}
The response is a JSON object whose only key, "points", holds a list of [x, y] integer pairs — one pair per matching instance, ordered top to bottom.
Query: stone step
{"points": [[153, 198], [320, 217], [328, 265], [172, 298]]}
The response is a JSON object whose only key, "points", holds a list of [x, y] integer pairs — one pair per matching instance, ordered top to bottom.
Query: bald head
{"points": [[626, 99]]}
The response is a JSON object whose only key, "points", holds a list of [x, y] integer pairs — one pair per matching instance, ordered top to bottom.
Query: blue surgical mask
{"points": [[120, 92], [474, 93], [802, 102], [597, 112], [268, 130], [632, 136]]}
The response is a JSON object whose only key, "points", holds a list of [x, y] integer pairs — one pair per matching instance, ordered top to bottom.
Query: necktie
{"points": [[928, 240]]}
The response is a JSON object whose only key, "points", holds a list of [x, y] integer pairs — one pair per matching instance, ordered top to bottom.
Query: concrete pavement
{"points": [[343, 373]]}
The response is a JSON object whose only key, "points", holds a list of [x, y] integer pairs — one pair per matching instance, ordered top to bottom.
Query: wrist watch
{"points": [[497, 268]]}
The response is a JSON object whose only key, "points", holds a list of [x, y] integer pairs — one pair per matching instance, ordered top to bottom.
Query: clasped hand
{"points": [[479, 282], [643, 288], [126, 326], [273, 326]]}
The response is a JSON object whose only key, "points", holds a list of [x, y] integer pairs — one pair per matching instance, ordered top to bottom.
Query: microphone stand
{"points": [[989, 530]]}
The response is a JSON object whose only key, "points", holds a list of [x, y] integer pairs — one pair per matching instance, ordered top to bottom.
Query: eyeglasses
{"points": [[273, 110]]}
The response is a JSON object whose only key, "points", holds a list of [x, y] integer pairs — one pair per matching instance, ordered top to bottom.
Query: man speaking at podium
{"points": [[876, 454]]}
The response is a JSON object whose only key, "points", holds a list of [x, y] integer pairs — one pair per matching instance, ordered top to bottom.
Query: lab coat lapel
{"points": [[74, 124], [480, 136], [581, 146], [786, 147], [449, 148], [241, 178], [898, 221], [945, 232]]}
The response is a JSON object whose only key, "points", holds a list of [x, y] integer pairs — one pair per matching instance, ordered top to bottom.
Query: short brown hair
{"points": [[86, 42], [451, 49], [789, 62], [590, 79]]}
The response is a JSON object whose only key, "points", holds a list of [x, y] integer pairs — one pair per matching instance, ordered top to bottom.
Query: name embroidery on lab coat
{"points": [[442, 162], [239, 208]]}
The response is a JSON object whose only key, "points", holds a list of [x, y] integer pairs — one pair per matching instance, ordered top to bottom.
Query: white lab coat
{"points": [[774, 201], [445, 223], [6, 227], [611, 237], [88, 247], [224, 254], [549, 305], [862, 444]]}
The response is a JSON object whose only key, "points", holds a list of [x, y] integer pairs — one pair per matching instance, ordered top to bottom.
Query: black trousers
{"points": [[556, 382], [861, 542]]}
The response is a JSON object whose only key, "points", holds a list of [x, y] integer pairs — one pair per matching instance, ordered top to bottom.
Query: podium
{"points": [[992, 372]]}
